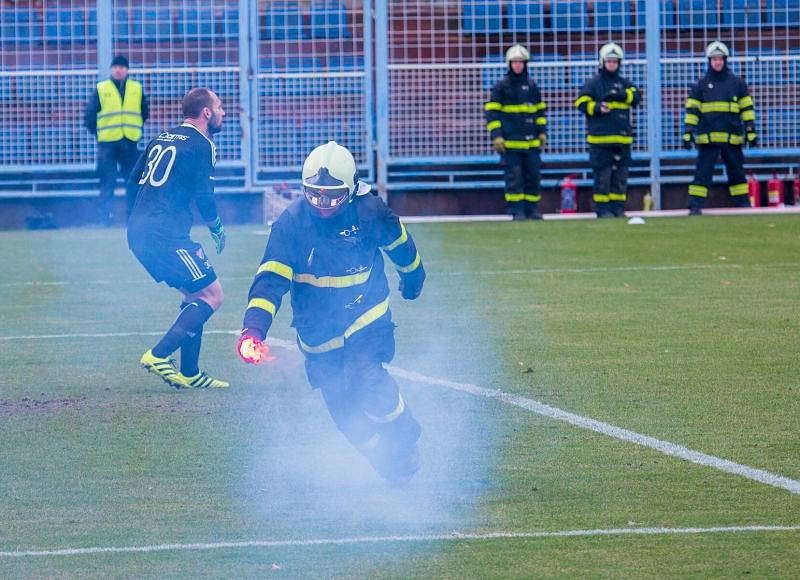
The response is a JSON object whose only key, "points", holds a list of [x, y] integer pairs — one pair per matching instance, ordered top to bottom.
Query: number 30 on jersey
{"points": [[154, 163]]}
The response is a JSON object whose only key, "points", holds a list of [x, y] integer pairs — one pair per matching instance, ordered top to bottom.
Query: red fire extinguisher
{"points": [[796, 188], [753, 190], [775, 191], [569, 194]]}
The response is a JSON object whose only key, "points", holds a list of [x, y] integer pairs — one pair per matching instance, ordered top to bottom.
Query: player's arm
{"points": [[633, 96], [586, 102], [540, 107], [492, 109], [747, 112], [90, 115], [692, 116], [138, 169], [204, 197], [401, 250], [272, 281]]}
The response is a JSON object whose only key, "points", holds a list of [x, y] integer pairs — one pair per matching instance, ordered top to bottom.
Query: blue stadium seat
{"points": [[783, 12], [697, 13], [741, 13], [668, 14], [568, 15], [614, 15], [525, 16], [481, 18], [329, 20], [7, 21], [283, 21], [196, 23], [230, 23], [92, 24], [154, 24], [64, 25], [27, 26], [122, 27], [346, 62], [305, 63]]}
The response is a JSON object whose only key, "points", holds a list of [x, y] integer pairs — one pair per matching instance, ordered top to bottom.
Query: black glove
{"points": [[614, 96], [688, 140], [411, 283]]}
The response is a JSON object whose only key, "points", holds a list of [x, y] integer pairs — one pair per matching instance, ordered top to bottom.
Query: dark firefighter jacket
{"points": [[718, 108], [516, 112], [613, 128], [334, 270]]}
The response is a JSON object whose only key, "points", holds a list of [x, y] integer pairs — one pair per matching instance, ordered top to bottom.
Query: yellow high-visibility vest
{"points": [[118, 119]]}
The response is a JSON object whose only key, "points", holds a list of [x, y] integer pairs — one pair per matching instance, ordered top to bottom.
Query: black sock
{"points": [[189, 322], [190, 352]]}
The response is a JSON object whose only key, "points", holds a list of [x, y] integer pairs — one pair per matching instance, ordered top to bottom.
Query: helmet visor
{"points": [[326, 199]]}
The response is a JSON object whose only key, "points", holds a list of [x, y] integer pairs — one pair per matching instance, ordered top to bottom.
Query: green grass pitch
{"points": [[681, 329]]}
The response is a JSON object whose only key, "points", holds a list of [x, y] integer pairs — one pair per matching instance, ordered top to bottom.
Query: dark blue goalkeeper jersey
{"points": [[176, 169]]}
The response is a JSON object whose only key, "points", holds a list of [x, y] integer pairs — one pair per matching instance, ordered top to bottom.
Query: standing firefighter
{"points": [[606, 99], [718, 111], [116, 113], [515, 119], [326, 250]]}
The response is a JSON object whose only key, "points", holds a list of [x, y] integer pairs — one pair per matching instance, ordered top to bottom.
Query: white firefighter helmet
{"points": [[717, 48], [612, 50], [517, 52], [330, 178]]}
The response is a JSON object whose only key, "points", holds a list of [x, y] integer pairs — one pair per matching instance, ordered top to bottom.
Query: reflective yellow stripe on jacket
{"points": [[118, 118], [360, 323]]}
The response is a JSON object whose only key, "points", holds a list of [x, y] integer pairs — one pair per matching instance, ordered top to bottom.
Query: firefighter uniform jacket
{"points": [[718, 108], [516, 112], [613, 128], [334, 269]]}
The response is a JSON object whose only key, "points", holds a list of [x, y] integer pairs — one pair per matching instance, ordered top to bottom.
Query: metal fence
{"points": [[397, 81]]}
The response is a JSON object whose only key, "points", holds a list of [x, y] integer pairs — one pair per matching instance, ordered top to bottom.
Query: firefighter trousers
{"points": [[733, 157], [114, 159], [610, 166], [522, 168], [365, 402]]}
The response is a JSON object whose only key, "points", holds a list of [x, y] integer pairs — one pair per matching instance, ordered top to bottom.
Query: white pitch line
{"points": [[664, 268], [543, 409], [664, 447], [451, 537]]}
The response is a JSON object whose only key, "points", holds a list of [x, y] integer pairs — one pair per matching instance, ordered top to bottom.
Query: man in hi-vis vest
{"points": [[116, 113]]}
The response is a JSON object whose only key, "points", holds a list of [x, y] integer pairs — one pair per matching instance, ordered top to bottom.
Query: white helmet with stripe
{"points": [[717, 48], [612, 51], [517, 52], [330, 179]]}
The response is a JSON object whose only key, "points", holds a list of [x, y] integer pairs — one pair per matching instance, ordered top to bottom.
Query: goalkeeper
{"points": [[176, 169], [326, 249]]}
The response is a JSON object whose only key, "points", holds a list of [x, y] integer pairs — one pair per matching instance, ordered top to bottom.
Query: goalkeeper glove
{"points": [[218, 235], [251, 350]]}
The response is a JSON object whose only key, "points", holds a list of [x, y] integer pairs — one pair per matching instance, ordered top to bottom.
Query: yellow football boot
{"points": [[164, 368], [203, 381]]}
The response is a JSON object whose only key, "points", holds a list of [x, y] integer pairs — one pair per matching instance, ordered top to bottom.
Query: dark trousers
{"points": [[733, 157], [115, 159], [610, 165], [522, 177], [364, 400]]}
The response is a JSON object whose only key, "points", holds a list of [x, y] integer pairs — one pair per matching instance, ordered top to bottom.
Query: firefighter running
{"points": [[607, 99], [719, 118], [518, 127], [326, 249]]}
